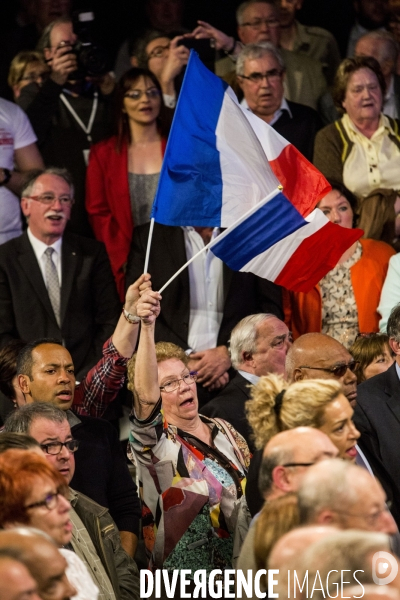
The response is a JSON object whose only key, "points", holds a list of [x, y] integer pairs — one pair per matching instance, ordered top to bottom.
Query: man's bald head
{"points": [[315, 356], [298, 448], [293, 544], [40, 555], [16, 582], [373, 592]]}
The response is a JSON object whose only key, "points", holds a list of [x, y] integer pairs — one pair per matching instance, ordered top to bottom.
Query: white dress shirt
{"points": [[277, 114], [39, 249], [206, 292], [254, 379]]}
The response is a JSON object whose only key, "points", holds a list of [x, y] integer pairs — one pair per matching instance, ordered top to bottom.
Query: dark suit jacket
{"points": [[300, 129], [244, 293], [89, 301], [229, 405], [377, 417], [101, 471]]}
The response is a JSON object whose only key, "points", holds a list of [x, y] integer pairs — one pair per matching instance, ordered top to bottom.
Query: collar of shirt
{"points": [[390, 89], [389, 101], [278, 113], [354, 132], [39, 249], [397, 370], [254, 379]]}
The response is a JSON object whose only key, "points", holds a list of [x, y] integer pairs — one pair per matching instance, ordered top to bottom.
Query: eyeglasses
{"points": [[258, 23], [158, 52], [272, 75], [31, 77], [137, 94], [50, 199], [337, 370], [174, 384], [56, 447], [298, 464], [49, 502], [372, 518]]}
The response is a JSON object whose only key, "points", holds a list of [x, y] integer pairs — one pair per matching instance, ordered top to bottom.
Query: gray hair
{"points": [[244, 6], [44, 40], [391, 50], [254, 51], [34, 175], [393, 324], [244, 337], [20, 421], [276, 457], [330, 486], [349, 550]]}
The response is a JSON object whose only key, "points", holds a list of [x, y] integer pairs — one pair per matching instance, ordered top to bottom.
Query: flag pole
{"points": [[223, 234], [146, 260], [184, 266]]}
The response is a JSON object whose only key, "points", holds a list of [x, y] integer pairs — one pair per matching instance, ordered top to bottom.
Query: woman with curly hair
{"points": [[276, 406]]}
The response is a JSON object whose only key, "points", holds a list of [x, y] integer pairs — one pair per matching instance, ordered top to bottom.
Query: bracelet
{"points": [[232, 48], [132, 319]]}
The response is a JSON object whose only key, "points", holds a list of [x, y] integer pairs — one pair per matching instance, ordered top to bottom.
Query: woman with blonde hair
{"points": [[276, 406]]}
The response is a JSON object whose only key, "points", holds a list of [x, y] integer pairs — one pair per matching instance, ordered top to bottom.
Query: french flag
{"points": [[225, 167]]}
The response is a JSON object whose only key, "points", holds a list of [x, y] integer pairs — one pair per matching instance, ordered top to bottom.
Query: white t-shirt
{"points": [[15, 132], [79, 576]]}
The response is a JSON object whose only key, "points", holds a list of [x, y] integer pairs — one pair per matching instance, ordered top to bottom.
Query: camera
{"points": [[93, 61]]}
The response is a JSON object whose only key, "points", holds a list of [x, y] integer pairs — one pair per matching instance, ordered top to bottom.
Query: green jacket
{"points": [[121, 568]]}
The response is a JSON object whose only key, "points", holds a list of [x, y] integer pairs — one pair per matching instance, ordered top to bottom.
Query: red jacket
{"points": [[108, 203], [303, 311]]}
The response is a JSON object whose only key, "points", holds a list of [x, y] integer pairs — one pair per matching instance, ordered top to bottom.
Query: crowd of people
{"points": [[263, 423]]}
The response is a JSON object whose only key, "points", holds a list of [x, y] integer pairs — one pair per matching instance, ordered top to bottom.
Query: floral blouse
{"points": [[339, 309], [189, 491]]}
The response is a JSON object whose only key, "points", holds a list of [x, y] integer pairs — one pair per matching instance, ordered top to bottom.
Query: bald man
{"points": [[319, 356], [285, 461], [269, 477], [337, 492], [293, 544], [41, 557], [16, 583], [373, 592]]}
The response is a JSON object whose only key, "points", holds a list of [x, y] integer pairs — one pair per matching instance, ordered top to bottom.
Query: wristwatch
{"points": [[6, 176], [132, 319]]}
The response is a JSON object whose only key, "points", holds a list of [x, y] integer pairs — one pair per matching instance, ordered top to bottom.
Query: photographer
{"points": [[71, 110]]}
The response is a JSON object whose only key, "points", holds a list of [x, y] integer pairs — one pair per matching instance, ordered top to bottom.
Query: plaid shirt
{"points": [[101, 385]]}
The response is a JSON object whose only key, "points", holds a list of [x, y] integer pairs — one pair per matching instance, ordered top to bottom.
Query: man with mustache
{"points": [[53, 283]]}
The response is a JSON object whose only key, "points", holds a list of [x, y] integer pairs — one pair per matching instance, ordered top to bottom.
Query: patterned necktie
{"points": [[52, 283]]}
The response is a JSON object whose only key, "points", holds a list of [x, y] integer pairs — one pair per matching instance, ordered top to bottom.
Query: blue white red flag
{"points": [[225, 167]]}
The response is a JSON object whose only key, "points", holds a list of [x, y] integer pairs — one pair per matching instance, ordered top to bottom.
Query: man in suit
{"points": [[382, 46], [260, 72], [56, 285], [205, 302], [258, 346], [317, 355], [377, 415]]}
